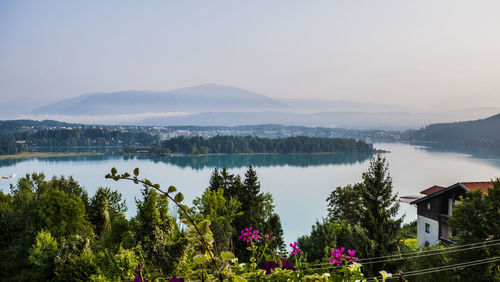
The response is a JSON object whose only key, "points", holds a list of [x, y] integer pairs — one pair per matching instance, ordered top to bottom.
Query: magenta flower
{"points": [[248, 235], [295, 250], [338, 256], [351, 257], [286, 265], [268, 266], [175, 279]]}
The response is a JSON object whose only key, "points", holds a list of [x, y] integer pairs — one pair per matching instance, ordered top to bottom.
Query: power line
{"points": [[485, 243], [425, 255], [418, 256], [448, 267], [443, 268]]}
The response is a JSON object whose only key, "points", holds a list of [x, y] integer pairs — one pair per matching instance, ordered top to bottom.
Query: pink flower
{"points": [[248, 235], [295, 250], [338, 256], [351, 257]]}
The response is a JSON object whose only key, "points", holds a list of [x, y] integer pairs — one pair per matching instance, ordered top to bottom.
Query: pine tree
{"points": [[227, 179], [216, 181], [252, 198], [378, 227]]}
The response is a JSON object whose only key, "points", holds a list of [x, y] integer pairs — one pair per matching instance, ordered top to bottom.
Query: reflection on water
{"points": [[479, 152], [486, 155], [59, 159], [259, 160], [227, 161]]}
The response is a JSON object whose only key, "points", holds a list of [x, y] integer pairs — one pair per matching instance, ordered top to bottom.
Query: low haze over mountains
{"points": [[213, 104]]}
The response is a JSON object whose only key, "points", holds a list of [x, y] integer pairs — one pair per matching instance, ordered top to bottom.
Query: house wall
{"points": [[431, 213], [433, 236]]}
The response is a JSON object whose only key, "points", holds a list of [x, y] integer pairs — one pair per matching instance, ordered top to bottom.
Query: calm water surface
{"points": [[299, 183]]}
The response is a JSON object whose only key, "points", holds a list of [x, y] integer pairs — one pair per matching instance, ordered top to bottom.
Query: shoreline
{"points": [[26, 155]]}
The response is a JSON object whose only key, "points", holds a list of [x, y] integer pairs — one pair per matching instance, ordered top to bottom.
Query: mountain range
{"points": [[208, 97], [201, 98], [213, 104]]}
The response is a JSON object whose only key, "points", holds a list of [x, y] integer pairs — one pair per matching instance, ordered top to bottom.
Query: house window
{"points": [[428, 206], [427, 228], [426, 243]]}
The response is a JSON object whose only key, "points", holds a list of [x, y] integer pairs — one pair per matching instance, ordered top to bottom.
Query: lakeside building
{"points": [[434, 209]]}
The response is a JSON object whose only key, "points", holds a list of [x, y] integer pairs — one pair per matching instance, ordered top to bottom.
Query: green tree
{"points": [[216, 180], [344, 203], [252, 204], [56, 206], [105, 207], [370, 207], [221, 212], [62, 214], [477, 219], [379, 226], [156, 231], [324, 237], [42, 255]]}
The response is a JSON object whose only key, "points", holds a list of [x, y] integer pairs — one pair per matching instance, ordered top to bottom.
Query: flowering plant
{"points": [[248, 235], [295, 250], [338, 256]]}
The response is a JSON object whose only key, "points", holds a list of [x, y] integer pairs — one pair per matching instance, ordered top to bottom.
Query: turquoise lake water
{"points": [[300, 183]]}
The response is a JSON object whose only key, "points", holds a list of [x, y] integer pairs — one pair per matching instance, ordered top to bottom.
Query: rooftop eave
{"points": [[456, 185]]}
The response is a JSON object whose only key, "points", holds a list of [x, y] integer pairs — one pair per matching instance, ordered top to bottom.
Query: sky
{"points": [[426, 54]]}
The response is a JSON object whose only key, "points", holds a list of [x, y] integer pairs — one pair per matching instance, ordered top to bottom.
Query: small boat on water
{"points": [[7, 177], [409, 199]]}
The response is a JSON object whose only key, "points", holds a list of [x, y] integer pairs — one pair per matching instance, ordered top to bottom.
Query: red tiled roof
{"points": [[483, 186], [432, 190]]}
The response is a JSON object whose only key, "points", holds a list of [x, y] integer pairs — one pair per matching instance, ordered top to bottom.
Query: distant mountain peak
{"points": [[200, 98]]}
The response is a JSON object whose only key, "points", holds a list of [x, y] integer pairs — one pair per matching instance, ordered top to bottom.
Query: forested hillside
{"points": [[14, 126], [478, 130], [72, 137], [85, 137]]}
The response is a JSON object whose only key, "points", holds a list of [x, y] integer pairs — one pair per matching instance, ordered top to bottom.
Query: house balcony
{"points": [[444, 215], [446, 241]]}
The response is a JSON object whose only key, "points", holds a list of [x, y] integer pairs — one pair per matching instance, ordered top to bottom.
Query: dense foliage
{"points": [[249, 144], [8, 146], [256, 208], [370, 208], [477, 218], [52, 230]]}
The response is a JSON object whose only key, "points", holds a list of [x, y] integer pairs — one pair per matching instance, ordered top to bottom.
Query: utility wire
{"points": [[484, 243], [425, 255], [417, 256], [442, 268]]}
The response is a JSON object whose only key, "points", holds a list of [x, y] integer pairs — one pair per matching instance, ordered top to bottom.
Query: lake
{"points": [[300, 183]]}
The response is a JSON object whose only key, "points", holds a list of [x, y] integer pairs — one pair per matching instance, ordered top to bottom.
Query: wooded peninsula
{"points": [[250, 144]]}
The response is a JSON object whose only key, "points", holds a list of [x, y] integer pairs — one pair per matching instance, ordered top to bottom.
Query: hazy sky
{"points": [[430, 54]]}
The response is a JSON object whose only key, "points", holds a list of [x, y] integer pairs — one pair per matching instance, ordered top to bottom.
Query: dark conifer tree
{"points": [[216, 181], [227, 181], [251, 198], [379, 225], [275, 230]]}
